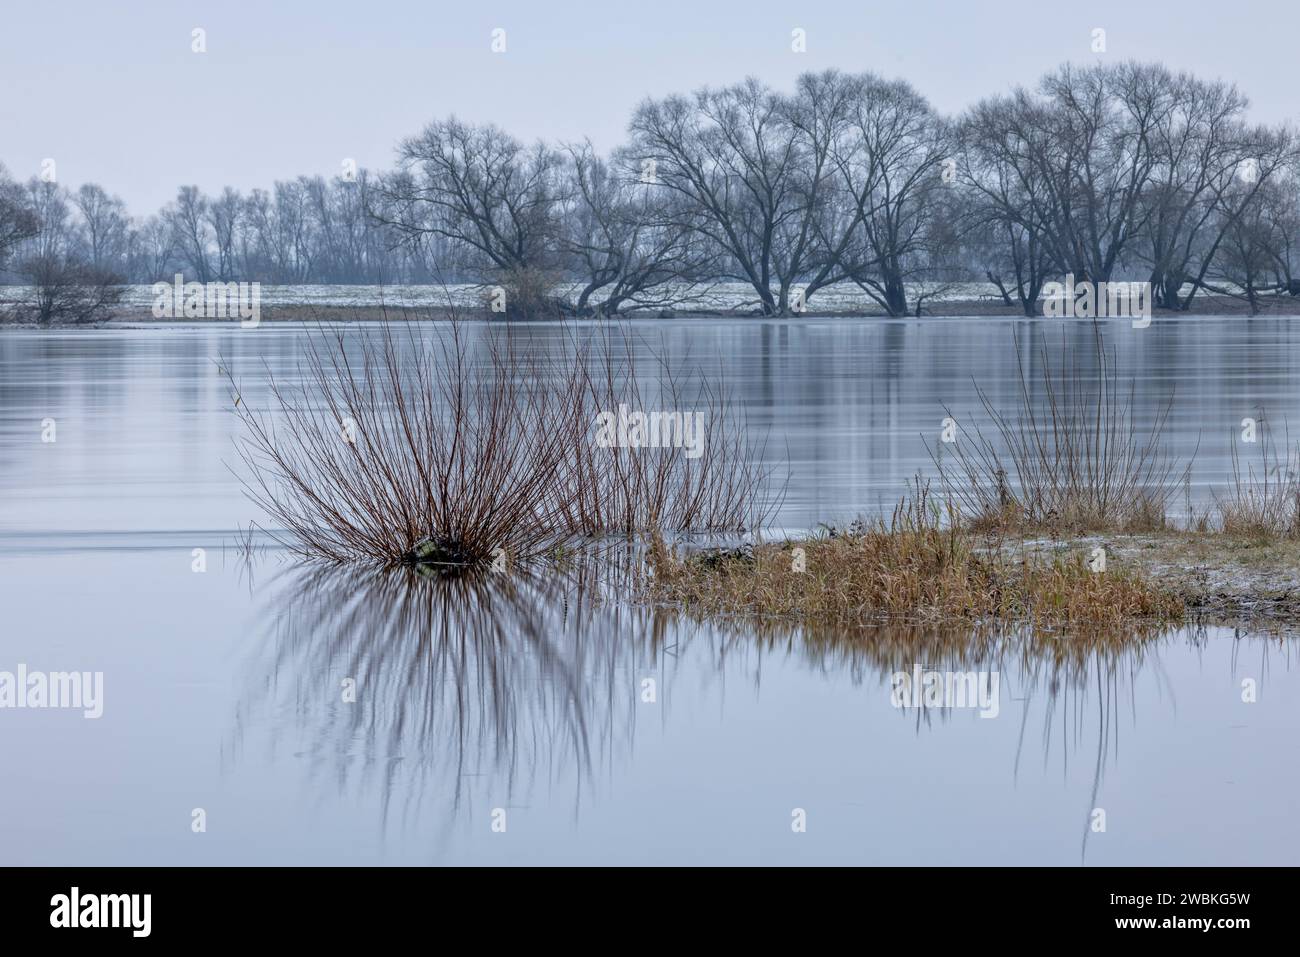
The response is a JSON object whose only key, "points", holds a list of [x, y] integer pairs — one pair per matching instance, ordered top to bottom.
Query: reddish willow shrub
{"points": [[416, 446]]}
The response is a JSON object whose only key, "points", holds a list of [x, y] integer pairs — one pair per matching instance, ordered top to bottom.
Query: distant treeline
{"points": [[1104, 172]]}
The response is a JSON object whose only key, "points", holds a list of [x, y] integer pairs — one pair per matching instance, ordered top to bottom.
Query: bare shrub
{"points": [[65, 290], [525, 293], [375, 454], [433, 454], [1080, 462], [642, 489], [1263, 504]]}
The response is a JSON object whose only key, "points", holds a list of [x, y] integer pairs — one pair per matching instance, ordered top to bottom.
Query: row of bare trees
{"points": [[1128, 170], [1105, 171], [1123, 171], [785, 194], [308, 230]]}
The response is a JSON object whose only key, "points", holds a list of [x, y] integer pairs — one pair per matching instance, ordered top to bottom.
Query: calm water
{"points": [[222, 690]]}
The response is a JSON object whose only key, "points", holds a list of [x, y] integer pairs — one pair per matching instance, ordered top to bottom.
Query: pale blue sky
{"points": [[116, 96]]}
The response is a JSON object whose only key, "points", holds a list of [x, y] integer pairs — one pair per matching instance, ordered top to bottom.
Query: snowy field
{"points": [[843, 297]]}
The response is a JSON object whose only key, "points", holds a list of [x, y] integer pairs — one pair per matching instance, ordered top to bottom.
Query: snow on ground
{"points": [[721, 296]]}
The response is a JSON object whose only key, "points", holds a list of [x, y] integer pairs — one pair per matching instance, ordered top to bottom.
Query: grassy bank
{"points": [[915, 565], [914, 570]]}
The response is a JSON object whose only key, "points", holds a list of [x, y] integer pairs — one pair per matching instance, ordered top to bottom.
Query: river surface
{"points": [[259, 712]]}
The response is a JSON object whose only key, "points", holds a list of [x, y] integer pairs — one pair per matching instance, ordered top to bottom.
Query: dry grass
{"points": [[405, 447], [1072, 459], [920, 564], [1226, 579]]}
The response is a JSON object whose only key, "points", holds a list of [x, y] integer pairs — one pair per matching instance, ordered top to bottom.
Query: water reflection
{"points": [[461, 685], [486, 691]]}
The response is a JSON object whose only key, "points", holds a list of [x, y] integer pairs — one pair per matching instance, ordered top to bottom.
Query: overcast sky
{"points": [[114, 94]]}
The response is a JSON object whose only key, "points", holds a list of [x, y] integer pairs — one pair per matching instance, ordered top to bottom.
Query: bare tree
{"points": [[1198, 147], [1080, 154], [733, 156], [1098, 160], [890, 165], [488, 194], [1235, 194], [1004, 197], [48, 202], [1279, 210], [223, 215], [18, 221], [103, 226], [191, 231], [1255, 232], [629, 244], [813, 244], [151, 249]]}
